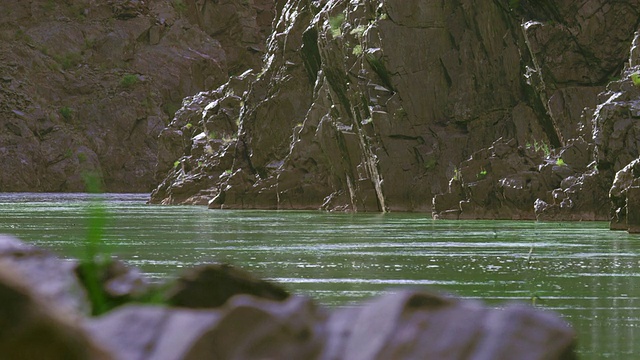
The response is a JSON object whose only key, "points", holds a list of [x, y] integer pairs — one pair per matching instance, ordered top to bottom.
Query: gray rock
{"points": [[52, 278], [32, 325], [419, 325], [245, 328], [134, 332]]}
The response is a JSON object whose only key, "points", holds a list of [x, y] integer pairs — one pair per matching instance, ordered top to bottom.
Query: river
{"points": [[588, 274]]}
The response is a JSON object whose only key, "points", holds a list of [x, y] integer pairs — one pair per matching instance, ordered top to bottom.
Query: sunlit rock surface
{"points": [[374, 105], [625, 198]]}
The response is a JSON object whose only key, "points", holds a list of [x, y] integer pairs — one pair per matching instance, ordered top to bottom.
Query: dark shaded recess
{"points": [[541, 10], [311, 53], [381, 70], [338, 82], [210, 286]]}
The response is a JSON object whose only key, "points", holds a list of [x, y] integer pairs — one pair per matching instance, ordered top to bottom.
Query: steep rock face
{"points": [[577, 48], [88, 86], [371, 106], [341, 117], [597, 194], [624, 197]]}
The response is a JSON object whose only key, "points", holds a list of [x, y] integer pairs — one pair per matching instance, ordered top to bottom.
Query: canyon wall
{"points": [[87, 86], [374, 105], [500, 109]]}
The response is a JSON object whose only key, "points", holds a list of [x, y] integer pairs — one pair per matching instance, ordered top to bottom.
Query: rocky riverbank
{"points": [[504, 109], [509, 109], [220, 312]]}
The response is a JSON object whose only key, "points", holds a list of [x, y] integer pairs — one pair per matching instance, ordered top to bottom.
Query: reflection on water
{"points": [[587, 273]]}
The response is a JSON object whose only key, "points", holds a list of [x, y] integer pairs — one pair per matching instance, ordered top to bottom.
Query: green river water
{"points": [[588, 274]]}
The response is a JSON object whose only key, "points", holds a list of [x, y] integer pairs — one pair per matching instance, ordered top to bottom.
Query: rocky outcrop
{"points": [[87, 87], [347, 114], [597, 130], [616, 142], [197, 148], [505, 181], [500, 182], [624, 198], [633, 210], [406, 324]]}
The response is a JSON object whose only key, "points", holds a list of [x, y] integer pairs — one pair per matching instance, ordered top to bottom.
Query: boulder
{"points": [[53, 279], [210, 286], [220, 312], [31, 323], [421, 325], [245, 328]]}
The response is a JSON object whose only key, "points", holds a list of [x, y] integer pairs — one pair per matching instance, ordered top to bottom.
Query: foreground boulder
{"points": [[47, 275], [241, 317], [402, 325], [419, 325], [31, 328], [245, 328]]}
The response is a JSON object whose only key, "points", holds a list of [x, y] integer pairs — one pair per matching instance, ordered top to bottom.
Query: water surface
{"points": [[588, 274]]}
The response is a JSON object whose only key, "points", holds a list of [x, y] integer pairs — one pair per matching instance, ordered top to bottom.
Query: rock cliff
{"points": [[87, 86], [339, 105], [374, 105]]}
